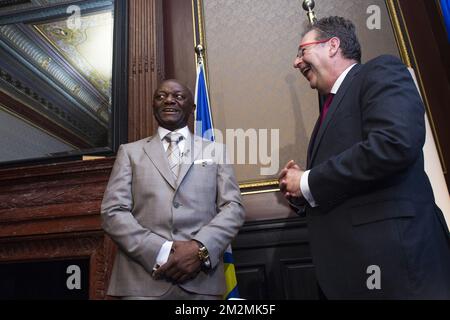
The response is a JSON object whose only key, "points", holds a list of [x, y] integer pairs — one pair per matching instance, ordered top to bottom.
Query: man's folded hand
{"points": [[183, 263]]}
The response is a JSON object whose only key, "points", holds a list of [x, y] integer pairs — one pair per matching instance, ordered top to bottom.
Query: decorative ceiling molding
{"points": [[13, 3], [32, 11], [67, 43], [29, 50], [41, 74], [66, 124]]}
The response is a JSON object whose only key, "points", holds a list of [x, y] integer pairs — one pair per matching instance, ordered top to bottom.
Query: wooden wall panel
{"points": [[179, 41], [146, 65], [52, 212], [273, 260]]}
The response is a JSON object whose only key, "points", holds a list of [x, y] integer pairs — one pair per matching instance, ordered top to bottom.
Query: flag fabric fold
{"points": [[445, 6], [203, 119], [204, 128], [230, 276]]}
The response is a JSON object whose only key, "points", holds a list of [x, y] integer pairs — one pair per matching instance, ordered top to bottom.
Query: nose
{"points": [[297, 62], [169, 99]]}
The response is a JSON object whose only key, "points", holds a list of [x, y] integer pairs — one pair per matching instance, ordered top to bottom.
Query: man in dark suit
{"points": [[375, 229]]}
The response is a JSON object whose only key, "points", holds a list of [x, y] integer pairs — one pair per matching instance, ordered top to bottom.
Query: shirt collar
{"points": [[341, 79], [183, 131]]}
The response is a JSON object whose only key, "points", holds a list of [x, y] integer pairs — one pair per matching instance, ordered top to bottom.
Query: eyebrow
{"points": [[164, 91]]}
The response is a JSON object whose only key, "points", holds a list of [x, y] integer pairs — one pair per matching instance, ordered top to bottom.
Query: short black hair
{"points": [[343, 29]]}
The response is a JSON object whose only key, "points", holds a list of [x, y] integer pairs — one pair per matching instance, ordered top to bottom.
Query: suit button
{"points": [[176, 205]]}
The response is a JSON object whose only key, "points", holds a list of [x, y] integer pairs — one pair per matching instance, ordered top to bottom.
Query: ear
{"points": [[335, 44]]}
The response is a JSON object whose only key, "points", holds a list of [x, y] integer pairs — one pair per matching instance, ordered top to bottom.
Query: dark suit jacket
{"points": [[376, 205]]}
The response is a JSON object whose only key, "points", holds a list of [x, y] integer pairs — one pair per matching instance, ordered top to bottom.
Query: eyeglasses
{"points": [[302, 47]]}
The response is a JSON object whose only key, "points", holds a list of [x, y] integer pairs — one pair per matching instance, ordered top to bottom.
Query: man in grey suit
{"points": [[171, 211]]}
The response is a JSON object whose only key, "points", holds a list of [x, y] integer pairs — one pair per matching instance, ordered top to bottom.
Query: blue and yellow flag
{"points": [[445, 6], [203, 119], [204, 128], [230, 275]]}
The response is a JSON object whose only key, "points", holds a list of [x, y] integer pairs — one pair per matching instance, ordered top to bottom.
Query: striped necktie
{"points": [[173, 152]]}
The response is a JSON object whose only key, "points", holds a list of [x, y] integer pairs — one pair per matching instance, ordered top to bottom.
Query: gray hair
{"points": [[343, 29]]}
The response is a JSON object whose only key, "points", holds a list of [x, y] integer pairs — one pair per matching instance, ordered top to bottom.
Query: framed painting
{"points": [[62, 88], [258, 100]]}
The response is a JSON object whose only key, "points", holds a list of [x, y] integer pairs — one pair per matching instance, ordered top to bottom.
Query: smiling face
{"points": [[313, 61], [172, 105]]}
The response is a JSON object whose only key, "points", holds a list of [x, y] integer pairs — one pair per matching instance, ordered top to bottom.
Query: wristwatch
{"points": [[203, 255]]}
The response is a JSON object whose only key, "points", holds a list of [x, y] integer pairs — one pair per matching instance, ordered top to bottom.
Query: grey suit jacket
{"points": [[144, 206]]}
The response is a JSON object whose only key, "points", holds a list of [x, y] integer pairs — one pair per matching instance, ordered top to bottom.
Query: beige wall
{"points": [[251, 45], [433, 167]]}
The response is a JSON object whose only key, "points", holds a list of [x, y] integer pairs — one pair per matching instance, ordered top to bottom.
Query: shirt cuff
{"points": [[304, 186], [163, 254]]}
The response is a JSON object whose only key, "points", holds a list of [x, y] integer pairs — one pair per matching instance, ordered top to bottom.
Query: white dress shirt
{"points": [[162, 132], [304, 184], [164, 252]]}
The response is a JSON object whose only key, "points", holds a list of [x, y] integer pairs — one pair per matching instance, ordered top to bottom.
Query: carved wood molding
{"points": [[55, 170], [56, 198], [50, 212]]}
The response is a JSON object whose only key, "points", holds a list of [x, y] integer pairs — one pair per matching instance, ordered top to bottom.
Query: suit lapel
{"points": [[333, 108], [311, 143], [155, 151], [192, 152]]}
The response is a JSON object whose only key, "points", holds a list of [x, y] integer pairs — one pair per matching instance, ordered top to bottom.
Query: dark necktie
{"points": [[326, 106]]}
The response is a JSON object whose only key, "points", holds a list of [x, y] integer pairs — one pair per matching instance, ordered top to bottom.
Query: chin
{"points": [[313, 85], [170, 120]]}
